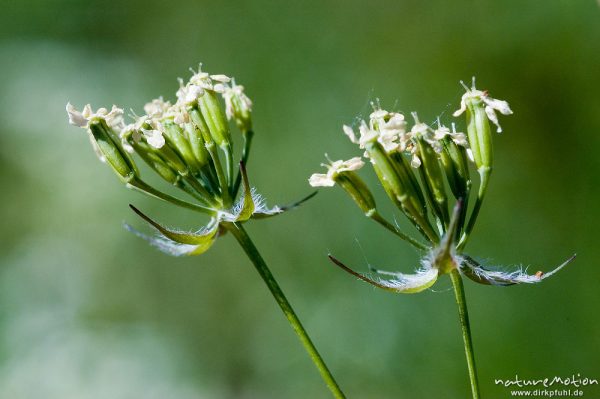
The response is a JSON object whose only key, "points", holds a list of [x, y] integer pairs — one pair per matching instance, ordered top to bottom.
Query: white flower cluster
{"points": [[150, 125], [389, 129]]}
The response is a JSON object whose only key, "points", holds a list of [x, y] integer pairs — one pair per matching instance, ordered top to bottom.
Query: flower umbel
{"points": [[179, 142], [189, 145], [440, 156]]}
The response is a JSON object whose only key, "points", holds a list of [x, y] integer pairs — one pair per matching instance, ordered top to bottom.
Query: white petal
{"points": [[221, 78], [219, 88], [193, 93], [498, 105], [463, 108], [87, 111], [378, 114], [491, 114], [75, 117], [114, 118], [396, 121], [348, 131], [441, 132], [154, 138], [460, 139], [127, 146], [352, 164], [321, 180]]}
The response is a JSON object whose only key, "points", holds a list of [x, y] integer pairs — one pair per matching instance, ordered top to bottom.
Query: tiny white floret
{"points": [[334, 169]]}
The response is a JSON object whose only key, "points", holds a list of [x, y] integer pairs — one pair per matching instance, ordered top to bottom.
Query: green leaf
{"points": [[247, 206], [263, 212], [191, 243], [473, 270], [399, 282]]}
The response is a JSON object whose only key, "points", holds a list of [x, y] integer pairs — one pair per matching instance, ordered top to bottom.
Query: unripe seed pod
{"points": [[177, 140], [119, 160], [433, 180], [357, 189]]}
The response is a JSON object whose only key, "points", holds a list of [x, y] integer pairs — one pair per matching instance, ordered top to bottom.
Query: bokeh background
{"points": [[88, 310]]}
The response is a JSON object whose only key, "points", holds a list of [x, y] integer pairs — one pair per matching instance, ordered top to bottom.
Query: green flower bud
{"points": [[210, 108], [200, 124], [194, 137], [177, 141], [111, 149], [152, 158], [454, 161], [433, 180], [409, 181], [357, 189]]}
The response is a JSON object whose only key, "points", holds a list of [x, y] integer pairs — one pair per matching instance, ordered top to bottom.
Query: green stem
{"points": [[210, 147], [228, 151], [245, 153], [485, 178], [141, 186], [207, 198], [379, 219], [240, 234], [463, 314]]}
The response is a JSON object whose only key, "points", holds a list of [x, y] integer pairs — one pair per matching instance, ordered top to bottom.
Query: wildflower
{"points": [[474, 97], [113, 118], [102, 127], [177, 141], [189, 145], [439, 156], [334, 169], [343, 173]]}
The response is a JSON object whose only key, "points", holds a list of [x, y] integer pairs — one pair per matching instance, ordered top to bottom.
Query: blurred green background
{"points": [[88, 310]]}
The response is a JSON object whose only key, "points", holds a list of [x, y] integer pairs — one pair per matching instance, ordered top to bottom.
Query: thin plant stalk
{"points": [[245, 154], [485, 178], [139, 185], [379, 219], [242, 237], [463, 314]]}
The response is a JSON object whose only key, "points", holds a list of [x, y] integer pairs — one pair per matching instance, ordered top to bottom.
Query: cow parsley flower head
{"points": [[189, 145], [439, 158]]}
